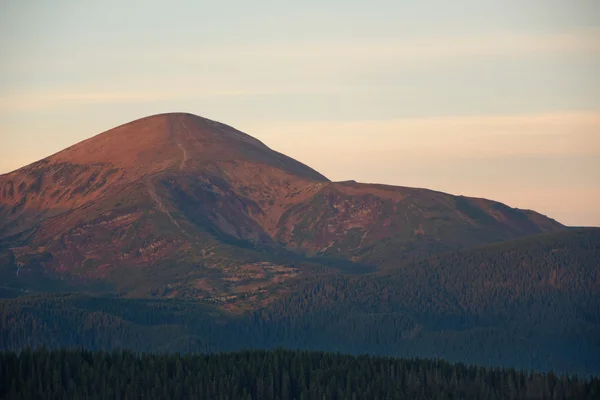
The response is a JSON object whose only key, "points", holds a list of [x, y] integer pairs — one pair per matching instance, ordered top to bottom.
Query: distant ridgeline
{"points": [[72, 374]]}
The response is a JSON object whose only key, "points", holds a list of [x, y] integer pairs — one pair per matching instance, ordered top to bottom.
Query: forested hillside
{"points": [[530, 304], [283, 375]]}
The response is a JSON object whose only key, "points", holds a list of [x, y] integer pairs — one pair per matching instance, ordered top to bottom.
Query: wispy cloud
{"points": [[582, 41], [427, 48], [333, 53], [311, 67], [222, 69], [194, 89], [48, 99], [566, 133]]}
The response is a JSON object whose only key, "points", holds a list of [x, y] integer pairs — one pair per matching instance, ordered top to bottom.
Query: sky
{"points": [[494, 99]]}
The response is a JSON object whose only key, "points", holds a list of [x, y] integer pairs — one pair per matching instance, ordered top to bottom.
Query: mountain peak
{"points": [[174, 140], [167, 144]]}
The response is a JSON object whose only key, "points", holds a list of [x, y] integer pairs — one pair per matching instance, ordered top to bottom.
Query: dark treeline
{"points": [[279, 374]]}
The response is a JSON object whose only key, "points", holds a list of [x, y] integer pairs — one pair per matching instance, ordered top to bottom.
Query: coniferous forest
{"points": [[531, 305], [277, 374]]}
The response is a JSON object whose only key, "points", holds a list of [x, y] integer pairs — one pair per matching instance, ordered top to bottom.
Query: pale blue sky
{"points": [[497, 99]]}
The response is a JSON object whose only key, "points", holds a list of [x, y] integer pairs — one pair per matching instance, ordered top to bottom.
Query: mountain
{"points": [[176, 205], [178, 233]]}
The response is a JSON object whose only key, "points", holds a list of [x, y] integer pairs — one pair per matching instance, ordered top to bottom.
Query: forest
{"points": [[530, 304], [278, 374]]}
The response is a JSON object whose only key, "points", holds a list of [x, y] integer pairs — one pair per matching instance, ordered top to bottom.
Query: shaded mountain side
{"points": [[196, 202], [531, 303]]}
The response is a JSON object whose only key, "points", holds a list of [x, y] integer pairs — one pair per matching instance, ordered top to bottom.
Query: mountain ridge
{"points": [[178, 189]]}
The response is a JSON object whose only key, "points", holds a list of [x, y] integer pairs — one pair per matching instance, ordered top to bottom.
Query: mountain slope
{"points": [[107, 163], [178, 205], [381, 224], [528, 303], [532, 303]]}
